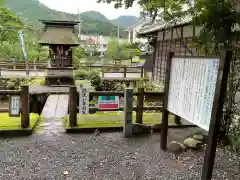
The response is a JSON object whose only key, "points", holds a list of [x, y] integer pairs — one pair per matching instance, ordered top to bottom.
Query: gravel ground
{"points": [[52, 154]]}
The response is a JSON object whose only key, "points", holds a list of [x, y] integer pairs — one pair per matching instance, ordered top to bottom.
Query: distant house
{"points": [[133, 31], [98, 42]]}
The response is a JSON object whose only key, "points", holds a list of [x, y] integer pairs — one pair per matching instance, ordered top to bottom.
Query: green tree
{"points": [[9, 24], [112, 48], [122, 51], [78, 54]]}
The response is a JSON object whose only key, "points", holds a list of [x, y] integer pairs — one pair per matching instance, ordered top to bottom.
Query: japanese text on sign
{"points": [[192, 87], [84, 100], [14, 109]]}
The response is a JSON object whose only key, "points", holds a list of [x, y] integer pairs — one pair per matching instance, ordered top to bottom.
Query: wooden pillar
{"points": [[14, 64], [27, 68], [102, 71], [142, 71], [125, 72], [219, 97], [24, 98], [140, 104], [72, 106], [128, 108], [177, 120], [164, 132]]}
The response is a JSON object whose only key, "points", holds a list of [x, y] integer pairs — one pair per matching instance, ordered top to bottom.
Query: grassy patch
{"points": [[138, 60], [38, 81], [83, 82], [113, 119], [12, 123]]}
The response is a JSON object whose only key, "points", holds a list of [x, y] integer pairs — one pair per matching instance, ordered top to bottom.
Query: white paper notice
{"points": [[192, 87], [84, 100], [15, 106]]}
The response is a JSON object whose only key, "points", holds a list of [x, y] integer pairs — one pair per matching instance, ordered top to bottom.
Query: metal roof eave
{"points": [[163, 25]]}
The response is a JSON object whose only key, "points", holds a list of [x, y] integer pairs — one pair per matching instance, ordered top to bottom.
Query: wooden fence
{"points": [[23, 65], [113, 68], [24, 103], [140, 108]]}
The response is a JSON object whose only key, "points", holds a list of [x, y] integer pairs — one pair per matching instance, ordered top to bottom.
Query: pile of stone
{"points": [[195, 142]]}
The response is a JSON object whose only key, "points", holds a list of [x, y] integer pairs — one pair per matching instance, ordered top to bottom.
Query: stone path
{"points": [[56, 107], [51, 154]]}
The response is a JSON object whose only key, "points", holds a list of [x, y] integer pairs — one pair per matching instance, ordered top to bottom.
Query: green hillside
{"points": [[33, 10], [125, 21]]}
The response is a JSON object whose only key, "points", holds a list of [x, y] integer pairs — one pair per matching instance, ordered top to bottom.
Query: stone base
{"points": [[60, 76], [60, 81]]}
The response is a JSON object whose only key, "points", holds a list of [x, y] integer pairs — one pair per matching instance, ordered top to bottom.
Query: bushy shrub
{"points": [[80, 74], [92, 74], [96, 82], [12, 84], [116, 85]]}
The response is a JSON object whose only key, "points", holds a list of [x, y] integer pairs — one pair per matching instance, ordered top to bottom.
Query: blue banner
{"points": [[22, 44]]}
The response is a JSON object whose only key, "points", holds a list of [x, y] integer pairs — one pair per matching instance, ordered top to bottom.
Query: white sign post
{"points": [[192, 87], [83, 100], [14, 106], [128, 108]]}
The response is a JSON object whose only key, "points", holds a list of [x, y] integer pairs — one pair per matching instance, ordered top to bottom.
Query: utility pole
{"points": [[79, 25], [118, 50]]}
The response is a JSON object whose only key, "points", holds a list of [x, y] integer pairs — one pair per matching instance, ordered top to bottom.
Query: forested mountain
{"points": [[125, 21], [92, 22]]}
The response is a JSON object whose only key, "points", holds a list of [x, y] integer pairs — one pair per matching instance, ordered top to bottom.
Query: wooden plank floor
{"points": [[55, 106]]}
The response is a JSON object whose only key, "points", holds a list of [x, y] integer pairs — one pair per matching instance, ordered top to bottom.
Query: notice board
{"points": [[192, 88]]}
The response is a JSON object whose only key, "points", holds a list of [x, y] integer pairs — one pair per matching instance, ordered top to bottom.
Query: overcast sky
{"points": [[72, 6]]}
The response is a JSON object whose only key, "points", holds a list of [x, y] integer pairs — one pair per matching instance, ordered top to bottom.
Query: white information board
{"points": [[192, 87], [84, 100], [14, 109]]}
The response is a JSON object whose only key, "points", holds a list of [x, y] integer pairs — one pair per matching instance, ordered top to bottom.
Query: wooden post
{"points": [[14, 64], [34, 65], [27, 68], [102, 71], [125, 72], [142, 72], [220, 92], [24, 103], [140, 104], [72, 106], [128, 108], [165, 113], [177, 120]]}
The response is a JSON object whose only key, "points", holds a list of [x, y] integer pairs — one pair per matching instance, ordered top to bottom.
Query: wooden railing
{"points": [[23, 65], [107, 68], [113, 68], [24, 103], [139, 108]]}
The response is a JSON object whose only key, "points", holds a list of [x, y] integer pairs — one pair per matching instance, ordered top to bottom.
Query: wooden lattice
{"points": [[163, 47]]}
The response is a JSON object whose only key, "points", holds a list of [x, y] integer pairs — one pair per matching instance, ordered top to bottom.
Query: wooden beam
{"points": [[220, 93], [165, 113]]}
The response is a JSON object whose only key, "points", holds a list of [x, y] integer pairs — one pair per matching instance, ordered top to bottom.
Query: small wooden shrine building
{"points": [[60, 36]]}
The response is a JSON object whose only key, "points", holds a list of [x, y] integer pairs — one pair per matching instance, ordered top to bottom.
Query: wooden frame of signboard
{"points": [[217, 106]]}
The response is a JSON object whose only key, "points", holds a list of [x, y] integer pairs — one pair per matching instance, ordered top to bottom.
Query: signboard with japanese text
{"points": [[192, 88], [84, 100], [108, 102], [14, 106]]}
